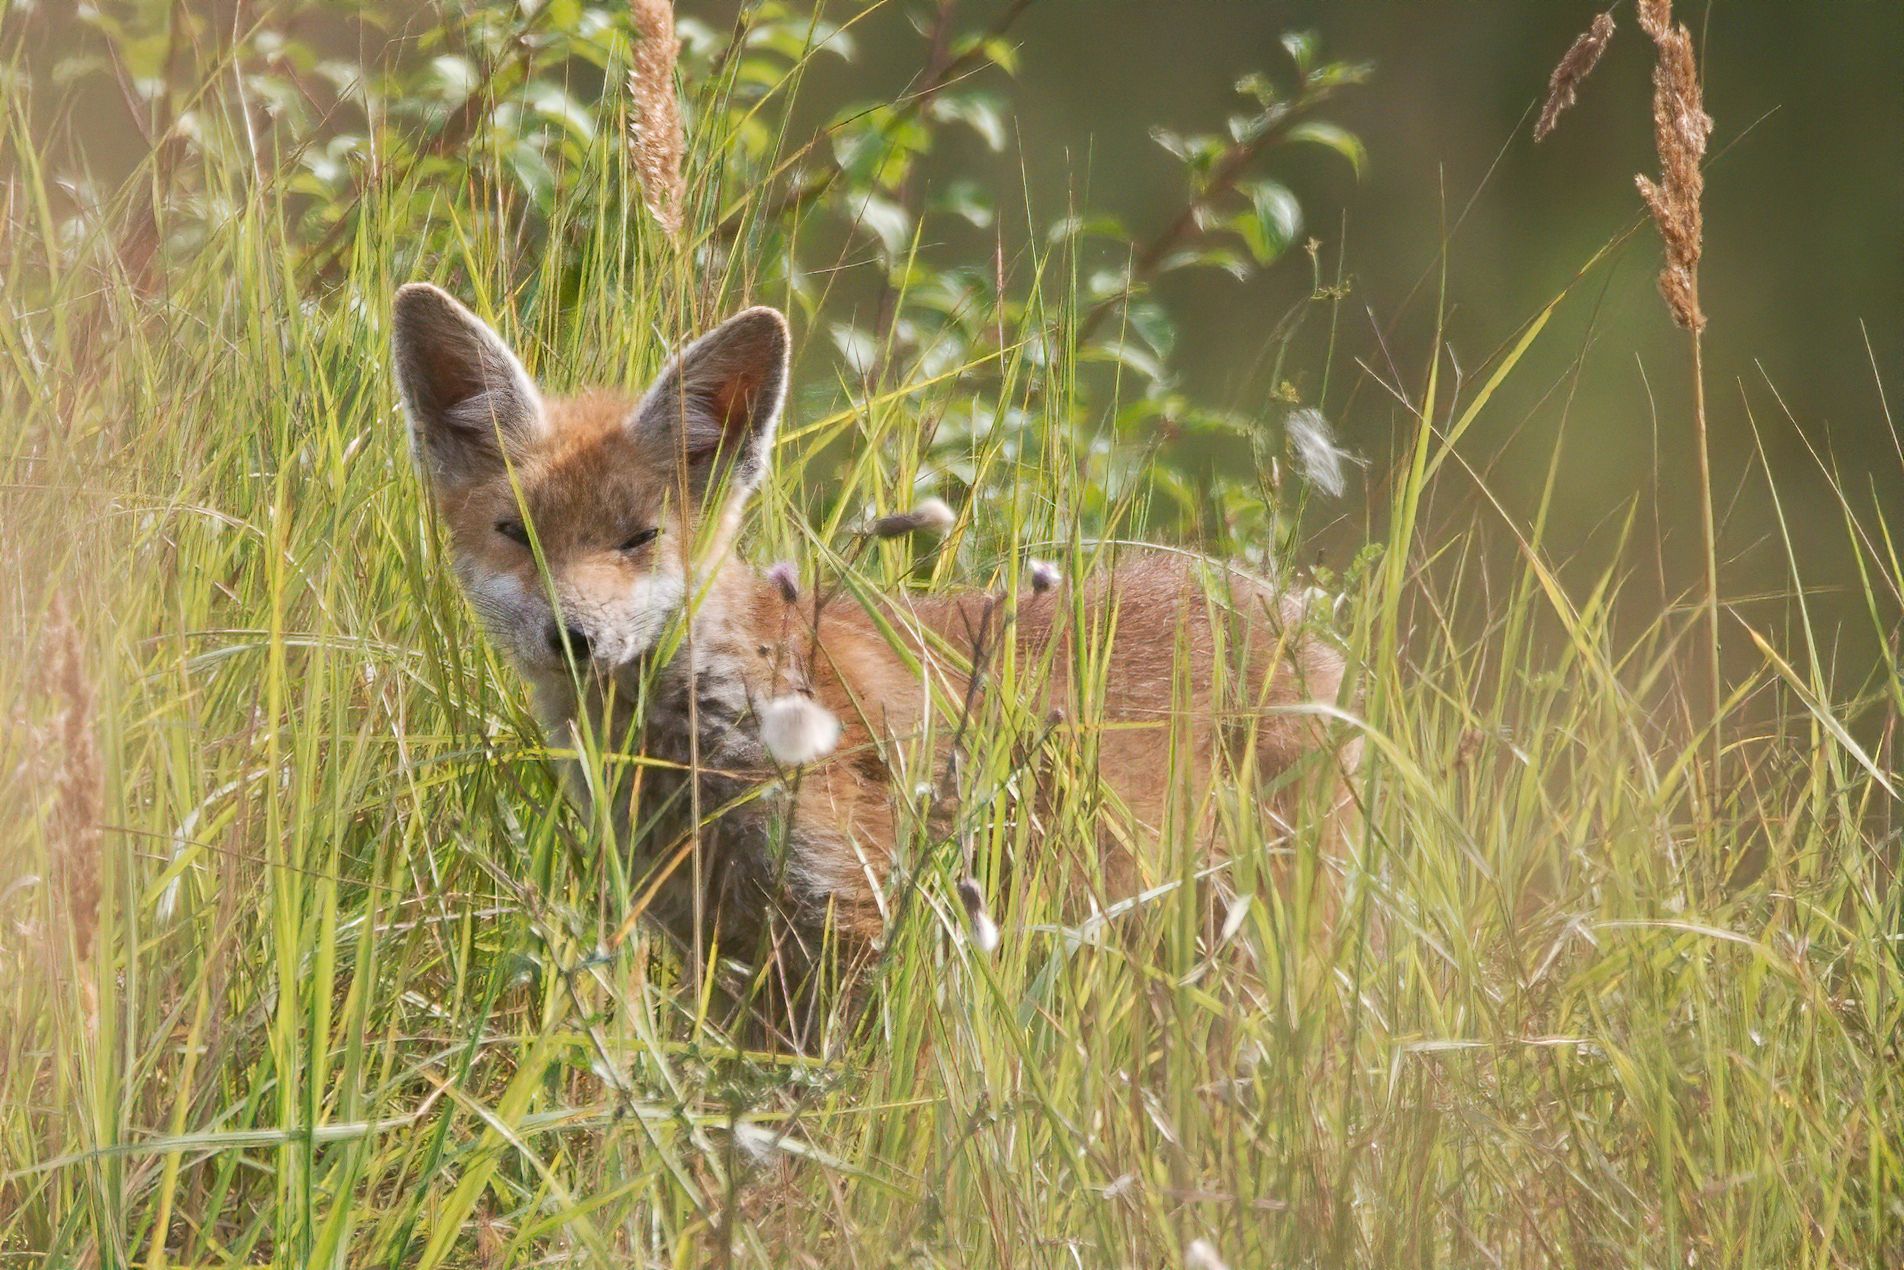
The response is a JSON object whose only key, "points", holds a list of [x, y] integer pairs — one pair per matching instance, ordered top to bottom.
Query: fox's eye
{"points": [[513, 530], [641, 538]]}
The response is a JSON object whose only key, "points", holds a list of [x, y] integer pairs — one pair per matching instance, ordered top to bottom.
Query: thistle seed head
{"points": [[929, 516], [785, 576], [1044, 576], [797, 730], [984, 929], [1201, 1255]]}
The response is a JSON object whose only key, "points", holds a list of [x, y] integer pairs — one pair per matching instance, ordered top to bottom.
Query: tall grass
{"points": [[364, 990]]}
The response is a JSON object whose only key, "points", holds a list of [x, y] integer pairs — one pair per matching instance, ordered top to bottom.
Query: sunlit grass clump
{"points": [[305, 959]]}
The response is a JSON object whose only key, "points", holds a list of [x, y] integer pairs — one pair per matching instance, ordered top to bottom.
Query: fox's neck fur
{"points": [[816, 845]]}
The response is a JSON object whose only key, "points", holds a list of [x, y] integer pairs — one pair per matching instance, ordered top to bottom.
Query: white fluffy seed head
{"points": [[1321, 461], [928, 516], [935, 516], [1044, 576], [786, 579], [797, 730], [984, 929], [759, 1142], [1201, 1255]]}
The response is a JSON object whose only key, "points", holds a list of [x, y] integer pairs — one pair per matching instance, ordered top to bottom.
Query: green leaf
{"points": [[565, 15], [698, 39], [795, 40], [1301, 46], [759, 72], [1336, 74], [454, 76], [1259, 86], [550, 102], [977, 111], [1246, 128], [1333, 137], [1175, 142], [876, 148], [1200, 151], [532, 169], [969, 200], [887, 221], [1273, 222], [1087, 227], [1207, 258], [1105, 283], [1153, 325], [857, 348], [1124, 353], [1171, 484]]}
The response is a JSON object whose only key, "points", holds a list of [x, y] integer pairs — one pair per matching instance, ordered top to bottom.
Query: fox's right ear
{"points": [[468, 398]]}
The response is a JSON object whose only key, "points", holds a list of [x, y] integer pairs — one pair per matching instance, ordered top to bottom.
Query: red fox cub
{"points": [[594, 535]]}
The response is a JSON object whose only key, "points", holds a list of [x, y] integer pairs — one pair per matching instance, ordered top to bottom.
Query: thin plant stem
{"points": [[1709, 532]]}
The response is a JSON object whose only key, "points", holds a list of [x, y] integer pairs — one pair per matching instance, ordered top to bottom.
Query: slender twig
{"points": [[931, 85], [1186, 223]]}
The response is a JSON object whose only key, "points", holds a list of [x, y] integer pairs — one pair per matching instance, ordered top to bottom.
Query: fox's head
{"points": [[576, 522]]}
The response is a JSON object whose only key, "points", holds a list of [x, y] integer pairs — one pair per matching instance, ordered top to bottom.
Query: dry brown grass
{"points": [[1577, 63], [1680, 129], [72, 770]]}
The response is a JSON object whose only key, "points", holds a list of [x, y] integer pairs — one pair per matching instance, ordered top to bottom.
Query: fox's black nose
{"points": [[577, 642]]}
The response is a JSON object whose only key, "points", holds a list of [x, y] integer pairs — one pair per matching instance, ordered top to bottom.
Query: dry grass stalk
{"points": [[1574, 67], [1680, 129], [655, 135], [77, 780], [492, 1242]]}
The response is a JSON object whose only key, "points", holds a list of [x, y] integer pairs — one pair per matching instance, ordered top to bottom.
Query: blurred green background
{"points": [[1804, 235], [1804, 247]]}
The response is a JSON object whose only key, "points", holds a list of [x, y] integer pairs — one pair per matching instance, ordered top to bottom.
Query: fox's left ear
{"points": [[718, 402]]}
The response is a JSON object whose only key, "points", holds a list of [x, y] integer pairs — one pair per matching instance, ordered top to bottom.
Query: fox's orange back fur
{"points": [[595, 536]]}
